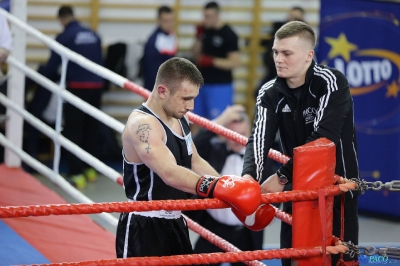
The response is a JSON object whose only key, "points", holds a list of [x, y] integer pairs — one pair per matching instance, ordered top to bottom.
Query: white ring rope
{"points": [[68, 96], [77, 102], [69, 145], [57, 179]]}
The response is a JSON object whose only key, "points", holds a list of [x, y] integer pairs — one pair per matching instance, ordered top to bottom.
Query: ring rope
{"points": [[201, 121], [196, 204], [283, 216], [216, 240], [210, 258]]}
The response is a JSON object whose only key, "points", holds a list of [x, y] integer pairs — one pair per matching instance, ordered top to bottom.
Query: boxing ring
{"points": [[312, 200]]}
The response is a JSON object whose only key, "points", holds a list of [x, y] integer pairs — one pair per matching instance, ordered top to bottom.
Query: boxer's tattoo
{"points": [[144, 132]]}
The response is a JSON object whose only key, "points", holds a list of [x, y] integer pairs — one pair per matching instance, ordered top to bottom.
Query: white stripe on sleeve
{"points": [[330, 79], [259, 143]]}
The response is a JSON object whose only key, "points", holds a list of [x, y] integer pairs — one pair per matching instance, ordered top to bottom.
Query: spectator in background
{"points": [[295, 14], [161, 46], [216, 53], [79, 127], [225, 156]]}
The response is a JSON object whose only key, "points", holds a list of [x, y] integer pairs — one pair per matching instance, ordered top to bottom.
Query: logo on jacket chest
{"points": [[217, 41], [286, 109], [309, 114]]}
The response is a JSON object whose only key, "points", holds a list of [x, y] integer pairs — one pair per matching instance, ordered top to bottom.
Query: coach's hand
{"points": [[345, 184], [271, 185], [242, 194]]}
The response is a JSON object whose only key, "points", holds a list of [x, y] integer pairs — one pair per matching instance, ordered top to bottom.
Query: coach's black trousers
{"points": [[81, 128]]}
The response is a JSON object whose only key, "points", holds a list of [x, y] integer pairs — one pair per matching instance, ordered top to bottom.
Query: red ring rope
{"points": [[197, 204], [216, 240], [205, 258]]}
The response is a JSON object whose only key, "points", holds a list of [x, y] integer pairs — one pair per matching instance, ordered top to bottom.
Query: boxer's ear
{"points": [[162, 91]]}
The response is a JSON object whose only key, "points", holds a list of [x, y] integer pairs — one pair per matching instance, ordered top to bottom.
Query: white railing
{"points": [[65, 52], [59, 90], [69, 97], [69, 145], [57, 179]]}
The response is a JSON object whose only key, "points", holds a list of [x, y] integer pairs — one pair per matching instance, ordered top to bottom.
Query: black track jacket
{"points": [[324, 109]]}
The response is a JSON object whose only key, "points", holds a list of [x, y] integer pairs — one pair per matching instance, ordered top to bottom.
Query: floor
{"points": [[374, 231], [45, 239]]}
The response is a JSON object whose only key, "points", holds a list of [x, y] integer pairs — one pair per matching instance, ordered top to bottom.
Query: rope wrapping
{"points": [[298, 195], [184, 205], [283, 216], [216, 240], [204, 258]]}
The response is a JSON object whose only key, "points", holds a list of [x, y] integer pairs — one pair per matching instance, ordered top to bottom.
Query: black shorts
{"points": [[147, 236]]}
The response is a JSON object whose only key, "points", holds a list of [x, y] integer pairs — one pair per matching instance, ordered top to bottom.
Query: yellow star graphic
{"points": [[340, 46], [392, 90]]}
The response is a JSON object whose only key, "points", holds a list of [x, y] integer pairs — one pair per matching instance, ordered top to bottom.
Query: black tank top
{"points": [[141, 183]]}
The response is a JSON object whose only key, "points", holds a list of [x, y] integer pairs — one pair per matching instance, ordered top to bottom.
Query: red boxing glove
{"points": [[199, 31], [205, 61], [241, 193], [260, 219]]}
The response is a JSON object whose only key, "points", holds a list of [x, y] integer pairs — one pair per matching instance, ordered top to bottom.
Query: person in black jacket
{"points": [[161, 46], [306, 101], [79, 127], [226, 157]]}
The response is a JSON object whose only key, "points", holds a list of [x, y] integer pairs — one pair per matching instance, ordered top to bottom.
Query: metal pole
{"points": [[16, 84], [57, 147]]}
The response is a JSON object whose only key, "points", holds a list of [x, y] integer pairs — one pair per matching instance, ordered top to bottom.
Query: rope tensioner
{"points": [[363, 185], [389, 252]]}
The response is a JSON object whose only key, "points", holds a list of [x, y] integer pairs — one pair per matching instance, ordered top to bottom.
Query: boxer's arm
{"points": [[196, 49], [230, 62], [145, 135], [201, 166]]}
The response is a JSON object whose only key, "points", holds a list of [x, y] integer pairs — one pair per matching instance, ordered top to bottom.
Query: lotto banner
{"points": [[361, 38]]}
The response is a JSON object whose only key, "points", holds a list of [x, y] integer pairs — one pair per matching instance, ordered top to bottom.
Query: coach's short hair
{"points": [[297, 28], [176, 70]]}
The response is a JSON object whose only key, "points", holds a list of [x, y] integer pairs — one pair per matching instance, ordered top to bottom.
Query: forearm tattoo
{"points": [[144, 132]]}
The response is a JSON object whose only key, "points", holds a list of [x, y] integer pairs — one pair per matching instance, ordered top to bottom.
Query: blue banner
{"points": [[5, 4], [362, 39]]}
